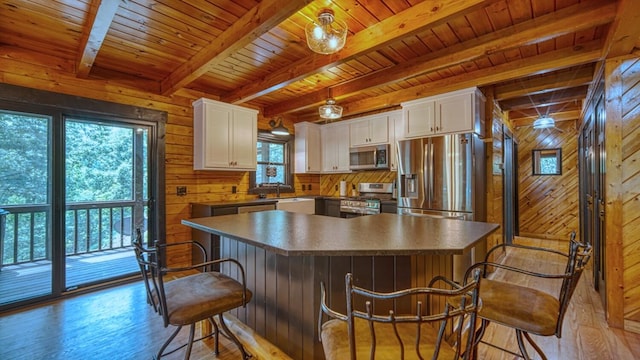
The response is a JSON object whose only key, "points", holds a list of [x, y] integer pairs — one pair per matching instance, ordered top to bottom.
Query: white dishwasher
{"points": [[299, 205], [254, 208]]}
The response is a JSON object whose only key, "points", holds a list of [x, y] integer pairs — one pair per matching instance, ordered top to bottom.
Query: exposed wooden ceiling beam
{"points": [[100, 16], [421, 16], [260, 19], [571, 19], [624, 33], [550, 61], [549, 82], [545, 99]]}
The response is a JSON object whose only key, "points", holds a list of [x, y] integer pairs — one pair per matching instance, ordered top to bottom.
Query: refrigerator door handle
{"points": [[425, 170], [430, 175]]}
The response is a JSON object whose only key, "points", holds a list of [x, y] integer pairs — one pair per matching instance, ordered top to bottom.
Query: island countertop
{"points": [[295, 234]]}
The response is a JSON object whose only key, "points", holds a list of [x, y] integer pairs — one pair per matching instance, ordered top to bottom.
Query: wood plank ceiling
{"points": [[538, 56]]}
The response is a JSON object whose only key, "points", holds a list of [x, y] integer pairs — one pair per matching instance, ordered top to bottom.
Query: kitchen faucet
{"points": [[278, 189]]}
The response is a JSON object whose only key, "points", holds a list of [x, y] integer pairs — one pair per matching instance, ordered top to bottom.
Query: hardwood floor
{"points": [[117, 323]]}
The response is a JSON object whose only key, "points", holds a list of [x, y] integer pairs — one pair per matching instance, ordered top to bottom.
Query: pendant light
{"points": [[326, 35], [330, 110], [544, 122], [278, 128]]}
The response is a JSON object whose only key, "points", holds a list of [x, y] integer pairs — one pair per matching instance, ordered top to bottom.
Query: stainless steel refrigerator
{"points": [[442, 176]]}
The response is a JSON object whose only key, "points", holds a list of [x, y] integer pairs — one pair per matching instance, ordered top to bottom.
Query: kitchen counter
{"points": [[292, 234], [286, 255]]}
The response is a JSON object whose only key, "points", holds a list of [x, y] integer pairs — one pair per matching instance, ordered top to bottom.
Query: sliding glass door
{"points": [[73, 190], [106, 199]]}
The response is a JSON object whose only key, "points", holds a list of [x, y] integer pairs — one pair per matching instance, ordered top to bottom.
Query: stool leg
{"points": [[216, 337], [166, 343], [535, 346], [523, 349], [187, 353]]}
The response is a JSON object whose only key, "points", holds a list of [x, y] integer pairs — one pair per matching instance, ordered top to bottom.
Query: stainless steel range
{"points": [[368, 203]]}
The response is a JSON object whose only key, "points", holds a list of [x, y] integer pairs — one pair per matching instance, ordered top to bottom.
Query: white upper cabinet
{"points": [[456, 112], [419, 118], [370, 130], [224, 136], [335, 147], [308, 156]]}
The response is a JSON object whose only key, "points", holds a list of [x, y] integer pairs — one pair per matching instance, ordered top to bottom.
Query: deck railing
{"points": [[89, 227]]}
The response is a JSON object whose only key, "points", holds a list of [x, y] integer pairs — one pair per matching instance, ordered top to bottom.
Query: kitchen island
{"points": [[286, 256]]}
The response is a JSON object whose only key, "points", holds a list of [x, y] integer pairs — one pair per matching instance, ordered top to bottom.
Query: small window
{"points": [[547, 161], [274, 168]]}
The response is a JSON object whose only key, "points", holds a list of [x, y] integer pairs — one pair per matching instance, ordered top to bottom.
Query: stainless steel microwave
{"points": [[369, 157]]}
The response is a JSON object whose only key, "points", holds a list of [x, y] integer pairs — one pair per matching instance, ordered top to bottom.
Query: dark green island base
{"points": [[286, 256]]}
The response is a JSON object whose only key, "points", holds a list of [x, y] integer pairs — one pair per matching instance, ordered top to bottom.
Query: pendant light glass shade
{"points": [[327, 34], [330, 110], [544, 122]]}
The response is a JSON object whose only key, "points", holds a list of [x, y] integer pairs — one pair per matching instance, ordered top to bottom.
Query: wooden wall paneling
{"points": [[630, 72], [495, 175], [548, 204], [614, 273]]}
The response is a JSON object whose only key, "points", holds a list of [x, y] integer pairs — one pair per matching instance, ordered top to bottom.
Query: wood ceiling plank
{"points": [[520, 11], [181, 12], [421, 16], [499, 16], [157, 20], [565, 21], [29, 23], [253, 24], [462, 29], [187, 39], [555, 60]]}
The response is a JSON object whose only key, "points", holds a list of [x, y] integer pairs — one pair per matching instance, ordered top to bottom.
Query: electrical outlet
{"points": [[309, 186], [304, 187], [234, 189], [181, 190]]}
